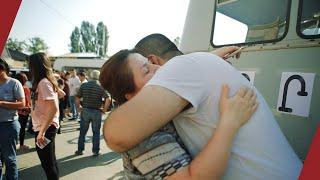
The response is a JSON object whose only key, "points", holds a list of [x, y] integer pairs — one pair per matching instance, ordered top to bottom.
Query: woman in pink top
{"points": [[44, 112]]}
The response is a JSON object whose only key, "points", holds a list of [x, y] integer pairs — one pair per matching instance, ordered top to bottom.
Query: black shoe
{"points": [[73, 118], [78, 153]]}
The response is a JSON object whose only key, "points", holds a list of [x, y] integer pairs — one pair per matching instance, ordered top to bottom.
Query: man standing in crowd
{"points": [[83, 77], [74, 84], [92, 95], [11, 99]]}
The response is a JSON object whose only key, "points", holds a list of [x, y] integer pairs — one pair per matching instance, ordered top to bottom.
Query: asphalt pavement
{"points": [[107, 165]]}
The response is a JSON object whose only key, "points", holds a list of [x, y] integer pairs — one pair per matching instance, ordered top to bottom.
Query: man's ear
{"points": [[154, 59], [128, 96]]}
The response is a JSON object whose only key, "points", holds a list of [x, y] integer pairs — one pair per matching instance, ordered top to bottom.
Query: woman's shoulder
{"points": [[44, 82]]}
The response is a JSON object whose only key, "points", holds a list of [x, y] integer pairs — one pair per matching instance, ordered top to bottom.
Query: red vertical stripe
{"points": [[9, 9], [311, 167]]}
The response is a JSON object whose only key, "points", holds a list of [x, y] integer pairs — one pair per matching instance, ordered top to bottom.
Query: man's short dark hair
{"points": [[157, 44], [4, 65], [82, 74], [22, 77]]}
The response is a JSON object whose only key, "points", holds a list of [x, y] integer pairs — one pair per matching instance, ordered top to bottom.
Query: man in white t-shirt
{"points": [[83, 78], [74, 85], [260, 150]]}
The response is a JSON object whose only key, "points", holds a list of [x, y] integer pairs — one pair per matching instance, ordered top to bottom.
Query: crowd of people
{"points": [[51, 97], [190, 116]]}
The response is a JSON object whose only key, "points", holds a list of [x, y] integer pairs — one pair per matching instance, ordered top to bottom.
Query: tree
{"points": [[88, 35], [88, 39], [102, 39], [176, 41], [15, 44], [36, 44], [76, 45]]}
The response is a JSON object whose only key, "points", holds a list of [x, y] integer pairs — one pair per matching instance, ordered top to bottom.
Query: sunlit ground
{"points": [[106, 166]]}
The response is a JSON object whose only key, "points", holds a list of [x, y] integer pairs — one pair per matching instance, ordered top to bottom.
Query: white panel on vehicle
{"points": [[295, 93]]}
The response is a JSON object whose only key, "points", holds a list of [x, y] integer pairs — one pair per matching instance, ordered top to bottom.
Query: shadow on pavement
{"points": [[64, 125], [69, 130], [87, 140], [24, 151], [68, 165]]}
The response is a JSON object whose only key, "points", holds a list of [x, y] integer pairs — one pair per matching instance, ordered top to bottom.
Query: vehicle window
{"points": [[250, 21], [308, 25]]}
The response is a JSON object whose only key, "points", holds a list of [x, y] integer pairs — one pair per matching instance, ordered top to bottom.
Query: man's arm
{"points": [[224, 51], [61, 93], [19, 97], [78, 97], [20, 103], [107, 103], [78, 104], [148, 111]]}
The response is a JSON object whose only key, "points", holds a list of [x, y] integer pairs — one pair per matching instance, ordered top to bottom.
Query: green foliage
{"points": [[88, 35], [88, 39], [102, 39], [76, 41], [176, 41], [15, 44], [36, 44]]}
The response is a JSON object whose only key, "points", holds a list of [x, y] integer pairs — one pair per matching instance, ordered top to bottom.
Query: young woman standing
{"points": [[45, 111]]}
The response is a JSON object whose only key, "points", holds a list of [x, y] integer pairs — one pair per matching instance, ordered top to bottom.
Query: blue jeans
{"points": [[73, 107], [94, 116], [9, 132]]}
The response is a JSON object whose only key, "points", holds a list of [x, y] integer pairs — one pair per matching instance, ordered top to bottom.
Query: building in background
{"points": [[15, 59], [79, 61]]}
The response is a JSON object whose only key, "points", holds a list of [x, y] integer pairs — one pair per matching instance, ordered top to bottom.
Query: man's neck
{"points": [[3, 78]]}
